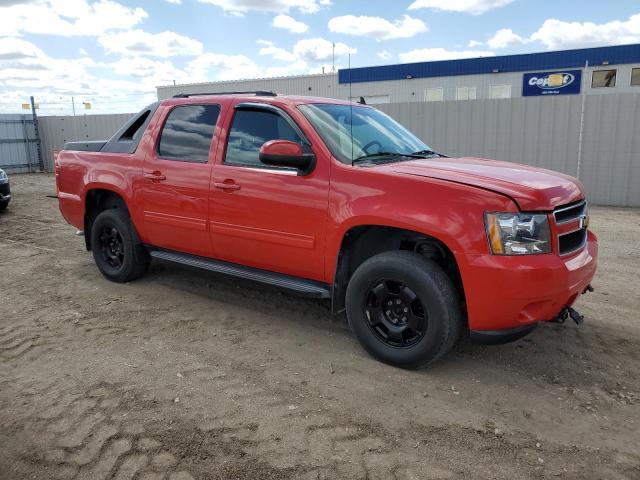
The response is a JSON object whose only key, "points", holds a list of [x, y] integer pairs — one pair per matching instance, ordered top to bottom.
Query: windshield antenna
{"points": [[350, 110]]}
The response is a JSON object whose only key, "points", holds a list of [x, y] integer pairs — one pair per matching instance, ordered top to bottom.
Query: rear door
{"points": [[177, 171], [265, 217]]}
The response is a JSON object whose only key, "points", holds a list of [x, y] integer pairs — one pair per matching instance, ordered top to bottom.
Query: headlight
{"points": [[3, 176], [518, 233]]}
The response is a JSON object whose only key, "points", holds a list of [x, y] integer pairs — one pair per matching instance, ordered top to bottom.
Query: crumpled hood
{"points": [[530, 187]]}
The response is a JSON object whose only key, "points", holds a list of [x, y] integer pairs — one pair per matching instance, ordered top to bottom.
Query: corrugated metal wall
{"points": [[56, 131], [543, 132], [18, 144]]}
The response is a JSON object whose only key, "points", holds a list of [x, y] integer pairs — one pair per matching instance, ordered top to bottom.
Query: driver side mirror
{"points": [[284, 153]]}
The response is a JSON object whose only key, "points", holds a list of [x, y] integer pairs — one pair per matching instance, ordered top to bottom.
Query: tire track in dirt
{"points": [[88, 439]]}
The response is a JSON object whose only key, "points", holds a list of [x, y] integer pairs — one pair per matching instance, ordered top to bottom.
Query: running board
{"points": [[309, 288]]}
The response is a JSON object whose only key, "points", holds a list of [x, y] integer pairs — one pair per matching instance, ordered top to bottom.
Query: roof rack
{"points": [[259, 93]]}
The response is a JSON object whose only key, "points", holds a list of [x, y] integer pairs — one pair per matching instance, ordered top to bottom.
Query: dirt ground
{"points": [[184, 374]]}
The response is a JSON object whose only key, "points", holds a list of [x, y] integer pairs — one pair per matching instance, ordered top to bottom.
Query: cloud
{"points": [[175, 2], [240, 7], [475, 7], [68, 18], [288, 23], [377, 27], [557, 34], [505, 38], [138, 42], [474, 44], [269, 48], [18, 49], [310, 50], [320, 50], [433, 54], [384, 55], [220, 66]]}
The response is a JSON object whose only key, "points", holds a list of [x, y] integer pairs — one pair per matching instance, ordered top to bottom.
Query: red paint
{"points": [[294, 224]]}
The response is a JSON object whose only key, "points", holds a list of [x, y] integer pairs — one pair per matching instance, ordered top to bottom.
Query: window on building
{"points": [[635, 77], [603, 78], [499, 91], [466, 93], [435, 94], [250, 130], [187, 133]]}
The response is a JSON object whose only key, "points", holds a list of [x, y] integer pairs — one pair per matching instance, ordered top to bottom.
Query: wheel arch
{"points": [[97, 199], [361, 242]]}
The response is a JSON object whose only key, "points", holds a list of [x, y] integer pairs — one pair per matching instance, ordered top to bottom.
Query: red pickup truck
{"points": [[336, 200]]}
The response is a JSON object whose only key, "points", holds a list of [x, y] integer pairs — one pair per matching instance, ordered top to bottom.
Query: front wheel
{"points": [[115, 252], [404, 309]]}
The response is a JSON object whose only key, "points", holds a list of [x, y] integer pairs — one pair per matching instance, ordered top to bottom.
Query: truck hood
{"points": [[530, 187]]}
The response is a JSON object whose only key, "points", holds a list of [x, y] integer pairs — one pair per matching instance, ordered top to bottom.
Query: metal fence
{"points": [[58, 130], [543, 132], [19, 149]]}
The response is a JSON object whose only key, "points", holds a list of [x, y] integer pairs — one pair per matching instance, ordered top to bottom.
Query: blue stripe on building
{"points": [[616, 55]]}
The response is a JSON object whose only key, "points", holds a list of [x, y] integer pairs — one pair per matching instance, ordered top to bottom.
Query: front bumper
{"points": [[505, 293]]}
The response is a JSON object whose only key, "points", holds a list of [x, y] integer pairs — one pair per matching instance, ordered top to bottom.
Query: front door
{"points": [[177, 172], [268, 218]]}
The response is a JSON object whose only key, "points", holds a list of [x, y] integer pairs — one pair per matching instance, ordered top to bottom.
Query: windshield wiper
{"points": [[423, 153], [386, 154]]}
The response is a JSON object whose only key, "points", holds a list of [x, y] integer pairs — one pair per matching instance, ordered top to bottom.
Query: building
{"points": [[593, 71]]}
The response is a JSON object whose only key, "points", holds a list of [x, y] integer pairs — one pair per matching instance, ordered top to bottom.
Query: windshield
{"points": [[373, 131]]}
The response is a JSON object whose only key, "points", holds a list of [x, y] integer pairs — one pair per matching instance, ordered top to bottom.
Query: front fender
{"points": [[449, 212]]}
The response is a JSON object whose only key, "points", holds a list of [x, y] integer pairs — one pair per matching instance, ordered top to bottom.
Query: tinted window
{"points": [[635, 77], [603, 78], [250, 129], [187, 133]]}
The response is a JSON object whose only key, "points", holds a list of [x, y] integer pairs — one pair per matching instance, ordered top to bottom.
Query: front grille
{"points": [[571, 222], [572, 242]]}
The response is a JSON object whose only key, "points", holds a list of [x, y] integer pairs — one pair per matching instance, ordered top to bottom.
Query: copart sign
{"points": [[552, 83]]}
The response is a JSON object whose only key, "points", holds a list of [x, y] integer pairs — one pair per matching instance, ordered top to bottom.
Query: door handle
{"points": [[155, 176], [226, 186]]}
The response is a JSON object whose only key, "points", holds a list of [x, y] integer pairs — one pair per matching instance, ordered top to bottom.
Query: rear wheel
{"points": [[115, 252], [403, 309]]}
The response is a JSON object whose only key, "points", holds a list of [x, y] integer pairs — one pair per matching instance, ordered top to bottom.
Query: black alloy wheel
{"points": [[112, 247], [116, 252], [404, 309], [395, 314]]}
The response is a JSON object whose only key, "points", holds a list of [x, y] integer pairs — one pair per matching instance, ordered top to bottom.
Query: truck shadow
{"points": [[564, 356]]}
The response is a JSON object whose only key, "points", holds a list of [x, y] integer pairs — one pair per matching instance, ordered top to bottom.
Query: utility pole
{"points": [[333, 60], [583, 88], [73, 106], [36, 132]]}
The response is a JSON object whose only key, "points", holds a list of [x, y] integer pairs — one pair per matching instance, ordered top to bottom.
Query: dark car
{"points": [[5, 190]]}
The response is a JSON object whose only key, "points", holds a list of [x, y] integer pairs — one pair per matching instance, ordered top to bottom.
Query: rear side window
{"points": [[250, 129], [187, 133]]}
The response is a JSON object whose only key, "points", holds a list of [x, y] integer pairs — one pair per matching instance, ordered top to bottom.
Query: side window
{"points": [[250, 129], [187, 133]]}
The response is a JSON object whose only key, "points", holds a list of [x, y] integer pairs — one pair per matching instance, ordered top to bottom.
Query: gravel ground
{"points": [[184, 374]]}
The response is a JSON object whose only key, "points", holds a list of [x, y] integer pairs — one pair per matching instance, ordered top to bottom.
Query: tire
{"points": [[3, 205], [117, 255], [423, 320]]}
